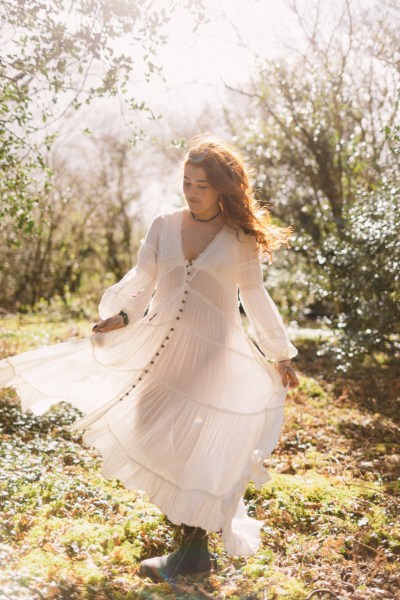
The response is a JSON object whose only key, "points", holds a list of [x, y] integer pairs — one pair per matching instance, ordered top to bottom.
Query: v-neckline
{"points": [[202, 253]]}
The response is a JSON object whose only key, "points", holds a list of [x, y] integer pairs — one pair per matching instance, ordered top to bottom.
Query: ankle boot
{"points": [[191, 557]]}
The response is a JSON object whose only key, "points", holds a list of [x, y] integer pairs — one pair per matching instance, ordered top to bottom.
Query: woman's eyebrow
{"points": [[205, 180]]}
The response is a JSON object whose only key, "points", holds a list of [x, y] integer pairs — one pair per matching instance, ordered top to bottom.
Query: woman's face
{"points": [[199, 194]]}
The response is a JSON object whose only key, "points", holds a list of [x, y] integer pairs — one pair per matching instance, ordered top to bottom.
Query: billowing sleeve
{"points": [[134, 291], [265, 319]]}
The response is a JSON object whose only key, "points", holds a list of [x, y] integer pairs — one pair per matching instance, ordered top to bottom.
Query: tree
{"points": [[59, 56], [317, 131], [86, 232], [362, 273]]}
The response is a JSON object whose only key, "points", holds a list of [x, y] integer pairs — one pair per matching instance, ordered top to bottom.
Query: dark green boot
{"points": [[191, 557]]}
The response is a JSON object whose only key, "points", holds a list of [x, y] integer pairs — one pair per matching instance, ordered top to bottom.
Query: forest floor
{"points": [[330, 509]]}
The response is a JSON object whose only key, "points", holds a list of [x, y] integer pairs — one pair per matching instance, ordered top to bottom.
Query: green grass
{"points": [[330, 510]]}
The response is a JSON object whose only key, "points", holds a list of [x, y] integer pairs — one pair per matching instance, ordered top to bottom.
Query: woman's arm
{"points": [[132, 294], [266, 321]]}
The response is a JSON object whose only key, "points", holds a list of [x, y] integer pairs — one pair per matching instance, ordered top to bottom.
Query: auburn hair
{"points": [[228, 173]]}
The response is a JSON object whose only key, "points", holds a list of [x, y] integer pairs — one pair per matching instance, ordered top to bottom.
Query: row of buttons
{"points": [[183, 301]]}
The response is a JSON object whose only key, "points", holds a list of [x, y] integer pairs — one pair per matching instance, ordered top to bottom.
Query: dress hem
{"points": [[240, 533]]}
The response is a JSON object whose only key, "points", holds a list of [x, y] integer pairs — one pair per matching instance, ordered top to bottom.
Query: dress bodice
{"points": [[230, 263]]}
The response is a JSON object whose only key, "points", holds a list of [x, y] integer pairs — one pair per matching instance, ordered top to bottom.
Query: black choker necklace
{"points": [[205, 220]]}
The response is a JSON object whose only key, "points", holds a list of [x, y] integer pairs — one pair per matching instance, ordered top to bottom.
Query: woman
{"points": [[179, 401]]}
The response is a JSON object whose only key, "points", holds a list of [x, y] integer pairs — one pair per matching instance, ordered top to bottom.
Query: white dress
{"points": [[180, 403]]}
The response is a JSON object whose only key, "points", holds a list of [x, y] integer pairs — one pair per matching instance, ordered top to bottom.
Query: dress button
{"points": [[186, 291], [181, 310], [177, 318], [172, 329], [167, 337], [162, 345], [157, 354], [152, 362], [146, 371]]}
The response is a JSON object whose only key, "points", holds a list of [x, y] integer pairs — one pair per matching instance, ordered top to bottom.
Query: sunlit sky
{"points": [[223, 50], [196, 65]]}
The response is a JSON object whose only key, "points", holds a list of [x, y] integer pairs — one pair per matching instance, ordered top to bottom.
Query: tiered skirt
{"points": [[180, 405]]}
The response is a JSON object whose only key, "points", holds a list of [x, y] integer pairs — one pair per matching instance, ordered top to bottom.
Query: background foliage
{"points": [[321, 128], [323, 132]]}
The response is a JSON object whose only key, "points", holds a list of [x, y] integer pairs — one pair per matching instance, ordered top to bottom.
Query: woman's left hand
{"points": [[287, 373]]}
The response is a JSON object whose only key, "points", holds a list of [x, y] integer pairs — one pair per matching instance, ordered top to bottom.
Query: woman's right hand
{"points": [[114, 322], [287, 373]]}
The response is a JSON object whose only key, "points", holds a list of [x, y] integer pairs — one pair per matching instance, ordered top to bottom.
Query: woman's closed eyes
{"points": [[201, 187]]}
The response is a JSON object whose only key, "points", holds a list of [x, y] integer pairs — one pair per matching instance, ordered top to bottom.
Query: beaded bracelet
{"points": [[125, 317]]}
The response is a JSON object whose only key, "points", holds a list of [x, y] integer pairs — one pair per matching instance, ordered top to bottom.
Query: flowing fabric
{"points": [[180, 403]]}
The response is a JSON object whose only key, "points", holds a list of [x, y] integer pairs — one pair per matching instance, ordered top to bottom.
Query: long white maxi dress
{"points": [[180, 403]]}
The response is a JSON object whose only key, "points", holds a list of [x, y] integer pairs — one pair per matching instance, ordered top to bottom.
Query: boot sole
{"points": [[157, 576]]}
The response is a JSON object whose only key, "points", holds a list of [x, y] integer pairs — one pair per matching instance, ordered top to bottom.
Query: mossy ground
{"points": [[330, 510]]}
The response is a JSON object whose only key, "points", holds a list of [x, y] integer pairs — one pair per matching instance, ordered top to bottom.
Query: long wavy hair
{"points": [[228, 173]]}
